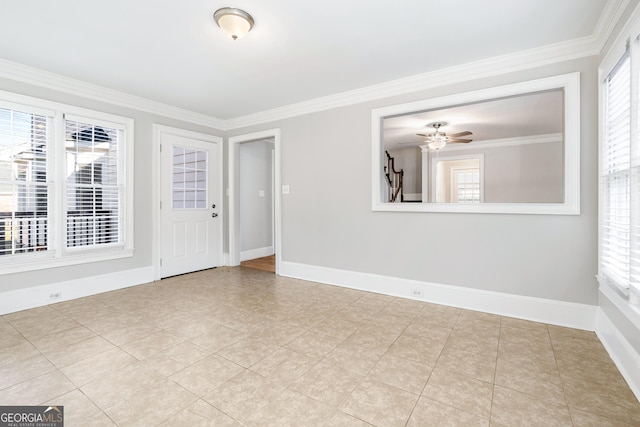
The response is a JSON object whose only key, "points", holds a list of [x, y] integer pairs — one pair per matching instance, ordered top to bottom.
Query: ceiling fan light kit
{"points": [[235, 23], [437, 141]]}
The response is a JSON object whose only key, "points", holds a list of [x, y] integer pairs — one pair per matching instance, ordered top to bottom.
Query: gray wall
{"points": [[410, 160], [143, 179], [256, 213], [327, 218]]}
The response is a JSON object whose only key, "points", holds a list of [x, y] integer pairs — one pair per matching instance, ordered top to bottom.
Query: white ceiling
{"points": [[171, 51], [518, 116]]}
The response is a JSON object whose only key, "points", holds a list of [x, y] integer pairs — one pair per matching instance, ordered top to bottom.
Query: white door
{"points": [[191, 225]]}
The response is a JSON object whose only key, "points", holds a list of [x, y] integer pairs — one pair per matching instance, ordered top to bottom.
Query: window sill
{"points": [[17, 264]]}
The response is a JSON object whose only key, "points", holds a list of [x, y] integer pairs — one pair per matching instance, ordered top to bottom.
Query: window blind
{"points": [[616, 178], [24, 186], [93, 187]]}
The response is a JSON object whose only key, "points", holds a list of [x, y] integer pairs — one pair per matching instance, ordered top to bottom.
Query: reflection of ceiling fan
{"points": [[437, 140]]}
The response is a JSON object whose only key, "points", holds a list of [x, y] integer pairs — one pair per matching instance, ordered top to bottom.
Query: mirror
{"points": [[508, 149]]}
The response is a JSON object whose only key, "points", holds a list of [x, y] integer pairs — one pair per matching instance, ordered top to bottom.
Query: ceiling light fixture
{"points": [[235, 23]]}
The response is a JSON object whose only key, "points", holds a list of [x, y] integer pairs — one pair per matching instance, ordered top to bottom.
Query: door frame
{"points": [[234, 188], [156, 193]]}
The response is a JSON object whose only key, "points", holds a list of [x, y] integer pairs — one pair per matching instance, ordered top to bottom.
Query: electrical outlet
{"points": [[417, 293], [55, 295]]}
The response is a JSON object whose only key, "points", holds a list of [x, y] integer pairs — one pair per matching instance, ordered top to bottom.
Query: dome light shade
{"points": [[235, 23]]}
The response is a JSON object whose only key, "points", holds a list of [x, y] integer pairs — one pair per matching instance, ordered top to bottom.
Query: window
{"points": [[458, 179], [65, 185], [619, 240]]}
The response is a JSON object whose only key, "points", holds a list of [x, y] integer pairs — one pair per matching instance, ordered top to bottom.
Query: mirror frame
{"points": [[569, 83]]}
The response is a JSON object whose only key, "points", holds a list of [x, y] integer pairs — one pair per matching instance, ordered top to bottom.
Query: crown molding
{"points": [[609, 18], [503, 64], [26, 74]]}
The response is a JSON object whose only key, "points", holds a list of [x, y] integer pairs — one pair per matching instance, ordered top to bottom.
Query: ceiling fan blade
{"points": [[465, 133], [422, 134], [460, 140], [408, 142]]}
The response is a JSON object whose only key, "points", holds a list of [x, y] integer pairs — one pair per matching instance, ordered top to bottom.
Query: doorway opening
{"points": [[254, 203]]}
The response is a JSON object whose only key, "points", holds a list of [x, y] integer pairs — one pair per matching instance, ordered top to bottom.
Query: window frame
{"points": [[627, 43], [58, 255]]}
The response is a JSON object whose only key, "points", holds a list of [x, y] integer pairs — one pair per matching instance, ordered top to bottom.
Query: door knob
{"points": [[213, 215]]}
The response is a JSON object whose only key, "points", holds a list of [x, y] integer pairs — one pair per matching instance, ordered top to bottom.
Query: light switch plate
{"points": [[285, 189]]}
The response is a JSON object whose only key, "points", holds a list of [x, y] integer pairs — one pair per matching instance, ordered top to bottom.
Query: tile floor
{"points": [[233, 346]]}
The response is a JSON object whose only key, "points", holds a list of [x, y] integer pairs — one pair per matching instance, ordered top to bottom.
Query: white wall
{"points": [[256, 212], [328, 222], [142, 261]]}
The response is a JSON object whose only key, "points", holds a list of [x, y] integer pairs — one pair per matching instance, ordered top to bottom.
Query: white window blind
{"points": [[616, 179], [24, 182], [94, 187]]}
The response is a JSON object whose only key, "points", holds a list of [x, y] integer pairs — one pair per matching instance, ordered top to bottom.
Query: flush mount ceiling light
{"points": [[235, 23]]}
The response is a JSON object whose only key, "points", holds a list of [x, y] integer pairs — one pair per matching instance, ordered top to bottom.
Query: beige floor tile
{"points": [[440, 314], [471, 316], [109, 323], [523, 324], [39, 326], [336, 327], [194, 328], [428, 330], [130, 333], [561, 333], [10, 336], [525, 336], [374, 337], [218, 338], [59, 341], [471, 342], [152, 344], [314, 344], [417, 349], [23, 350], [317, 350], [79, 351], [248, 351], [541, 356], [176, 358], [353, 358], [478, 365], [98, 366], [283, 366], [24, 369], [207, 374], [404, 374], [544, 383], [121, 384], [328, 384], [36, 391], [459, 391], [243, 395], [380, 404], [618, 404], [151, 406], [77, 407], [512, 408], [291, 409], [201, 413], [431, 413], [340, 419], [587, 419], [99, 420]]}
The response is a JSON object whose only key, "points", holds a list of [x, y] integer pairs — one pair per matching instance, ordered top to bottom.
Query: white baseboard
{"points": [[256, 253], [37, 296], [573, 315], [622, 353]]}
